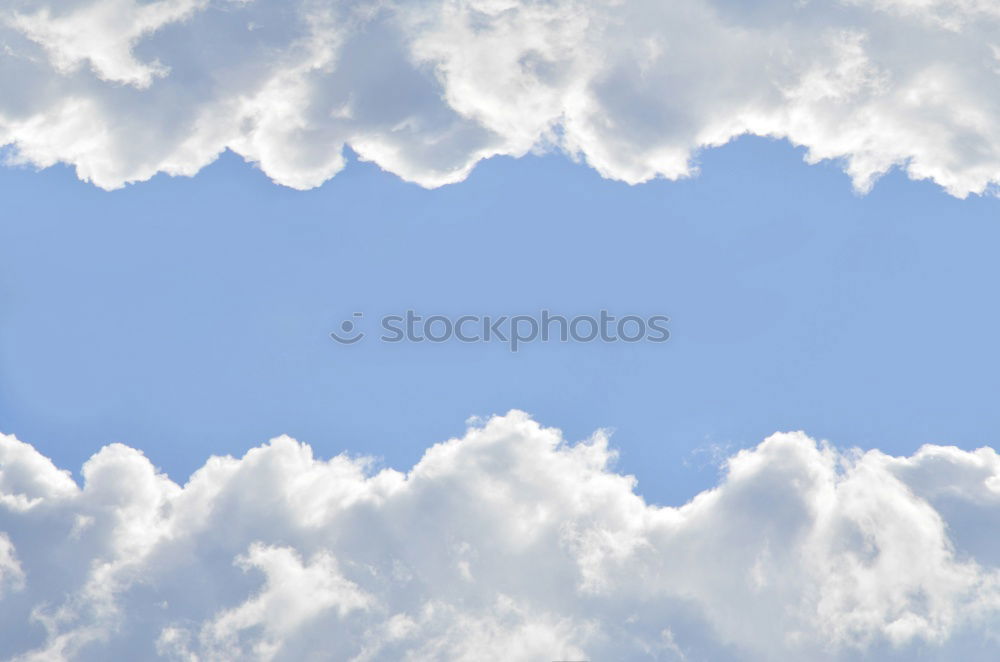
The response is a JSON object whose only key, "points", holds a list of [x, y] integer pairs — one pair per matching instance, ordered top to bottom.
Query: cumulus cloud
{"points": [[123, 89], [506, 544]]}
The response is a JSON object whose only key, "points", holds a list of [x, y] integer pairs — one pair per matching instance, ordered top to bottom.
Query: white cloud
{"points": [[123, 89], [506, 544]]}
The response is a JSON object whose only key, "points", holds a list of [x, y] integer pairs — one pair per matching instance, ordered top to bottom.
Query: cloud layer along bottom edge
{"points": [[508, 543]]}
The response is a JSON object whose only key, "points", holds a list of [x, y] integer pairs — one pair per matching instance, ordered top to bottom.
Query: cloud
{"points": [[123, 89], [506, 544]]}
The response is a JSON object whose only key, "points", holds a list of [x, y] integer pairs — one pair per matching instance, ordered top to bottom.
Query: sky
{"points": [[194, 194], [191, 316]]}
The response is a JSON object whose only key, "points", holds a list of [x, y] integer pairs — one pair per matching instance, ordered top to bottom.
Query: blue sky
{"points": [[195, 193], [190, 316]]}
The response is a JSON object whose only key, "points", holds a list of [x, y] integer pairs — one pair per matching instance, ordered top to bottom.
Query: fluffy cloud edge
{"points": [[124, 89], [507, 543]]}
